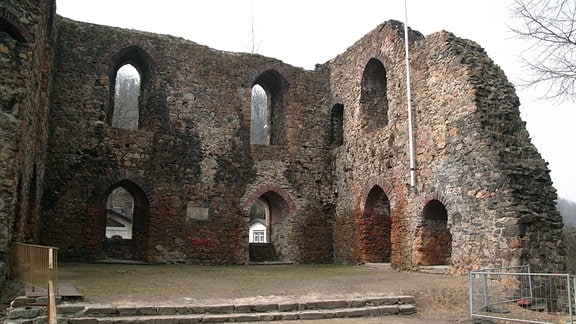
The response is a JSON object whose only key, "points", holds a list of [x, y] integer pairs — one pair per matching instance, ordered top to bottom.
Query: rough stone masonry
{"points": [[333, 177]]}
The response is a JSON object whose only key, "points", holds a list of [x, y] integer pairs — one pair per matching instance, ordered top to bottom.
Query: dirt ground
{"points": [[440, 297]]}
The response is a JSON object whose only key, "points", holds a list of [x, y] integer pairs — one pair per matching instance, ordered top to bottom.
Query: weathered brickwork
{"points": [[25, 68], [335, 179]]}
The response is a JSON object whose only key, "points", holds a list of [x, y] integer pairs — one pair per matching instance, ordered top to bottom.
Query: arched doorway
{"points": [[124, 210], [375, 227], [267, 240], [433, 242]]}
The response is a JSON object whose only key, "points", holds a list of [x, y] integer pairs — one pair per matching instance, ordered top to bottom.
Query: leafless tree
{"points": [[549, 26], [126, 96], [259, 132]]}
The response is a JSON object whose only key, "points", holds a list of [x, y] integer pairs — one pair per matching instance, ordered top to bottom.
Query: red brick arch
{"points": [[380, 182], [264, 189], [439, 197]]}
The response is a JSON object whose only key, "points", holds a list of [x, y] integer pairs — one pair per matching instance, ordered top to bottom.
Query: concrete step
{"points": [[80, 313]]}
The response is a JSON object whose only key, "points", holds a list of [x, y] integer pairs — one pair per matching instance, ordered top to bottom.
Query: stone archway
{"points": [[278, 206], [375, 228], [433, 243], [130, 247]]}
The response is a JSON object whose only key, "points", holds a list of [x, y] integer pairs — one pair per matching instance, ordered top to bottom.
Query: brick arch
{"points": [[14, 26], [136, 56], [278, 67], [119, 176], [380, 182], [143, 195], [252, 197], [439, 197], [433, 237]]}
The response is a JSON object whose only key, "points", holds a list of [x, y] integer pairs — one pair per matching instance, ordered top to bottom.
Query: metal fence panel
{"points": [[516, 294]]}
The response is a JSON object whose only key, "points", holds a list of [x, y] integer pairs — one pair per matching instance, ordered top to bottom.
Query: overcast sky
{"points": [[305, 32]]}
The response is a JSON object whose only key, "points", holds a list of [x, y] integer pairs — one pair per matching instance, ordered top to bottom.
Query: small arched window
{"points": [[126, 97]]}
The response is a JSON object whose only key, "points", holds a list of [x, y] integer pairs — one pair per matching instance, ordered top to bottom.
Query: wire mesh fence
{"points": [[516, 294]]}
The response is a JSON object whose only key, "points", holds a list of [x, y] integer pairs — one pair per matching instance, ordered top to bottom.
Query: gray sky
{"points": [[305, 32]]}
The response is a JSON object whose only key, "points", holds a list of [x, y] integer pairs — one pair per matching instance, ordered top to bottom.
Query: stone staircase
{"points": [[260, 311]]}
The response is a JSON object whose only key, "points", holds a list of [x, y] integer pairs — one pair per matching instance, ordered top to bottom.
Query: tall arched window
{"points": [[273, 85], [126, 97], [374, 97], [259, 126]]}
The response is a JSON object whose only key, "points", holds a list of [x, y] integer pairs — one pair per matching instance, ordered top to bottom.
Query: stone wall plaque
{"points": [[195, 212]]}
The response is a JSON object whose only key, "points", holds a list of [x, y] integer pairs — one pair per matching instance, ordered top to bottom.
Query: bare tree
{"points": [[551, 58], [126, 96], [259, 130]]}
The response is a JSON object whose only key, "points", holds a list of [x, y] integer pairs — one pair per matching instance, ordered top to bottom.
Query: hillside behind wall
{"points": [[473, 154]]}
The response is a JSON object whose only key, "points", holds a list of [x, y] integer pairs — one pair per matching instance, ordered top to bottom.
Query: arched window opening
{"points": [[11, 30], [274, 86], [374, 97], [126, 98], [260, 123], [336, 126], [124, 211], [119, 214], [375, 228], [433, 238]]}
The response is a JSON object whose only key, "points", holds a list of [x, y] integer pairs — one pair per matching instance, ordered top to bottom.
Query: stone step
{"points": [[439, 269], [78, 313]]}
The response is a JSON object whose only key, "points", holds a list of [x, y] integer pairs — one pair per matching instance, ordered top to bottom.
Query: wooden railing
{"points": [[35, 265]]}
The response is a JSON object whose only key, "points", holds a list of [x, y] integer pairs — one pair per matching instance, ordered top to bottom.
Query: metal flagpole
{"points": [[409, 97]]}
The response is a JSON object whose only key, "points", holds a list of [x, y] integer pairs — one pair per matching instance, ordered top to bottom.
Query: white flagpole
{"points": [[409, 99]]}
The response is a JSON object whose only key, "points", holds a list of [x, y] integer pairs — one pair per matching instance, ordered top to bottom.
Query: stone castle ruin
{"points": [[332, 177]]}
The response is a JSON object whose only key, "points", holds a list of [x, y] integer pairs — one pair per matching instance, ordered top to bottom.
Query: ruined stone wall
{"points": [[26, 35], [192, 149], [473, 155], [336, 178]]}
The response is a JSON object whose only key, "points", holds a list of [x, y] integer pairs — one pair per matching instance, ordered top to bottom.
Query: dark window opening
{"points": [[11, 30], [373, 97], [336, 126], [433, 237]]}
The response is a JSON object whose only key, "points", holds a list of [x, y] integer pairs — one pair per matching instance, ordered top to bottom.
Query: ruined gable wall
{"points": [[25, 67], [193, 147], [473, 154], [371, 155], [482, 161]]}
